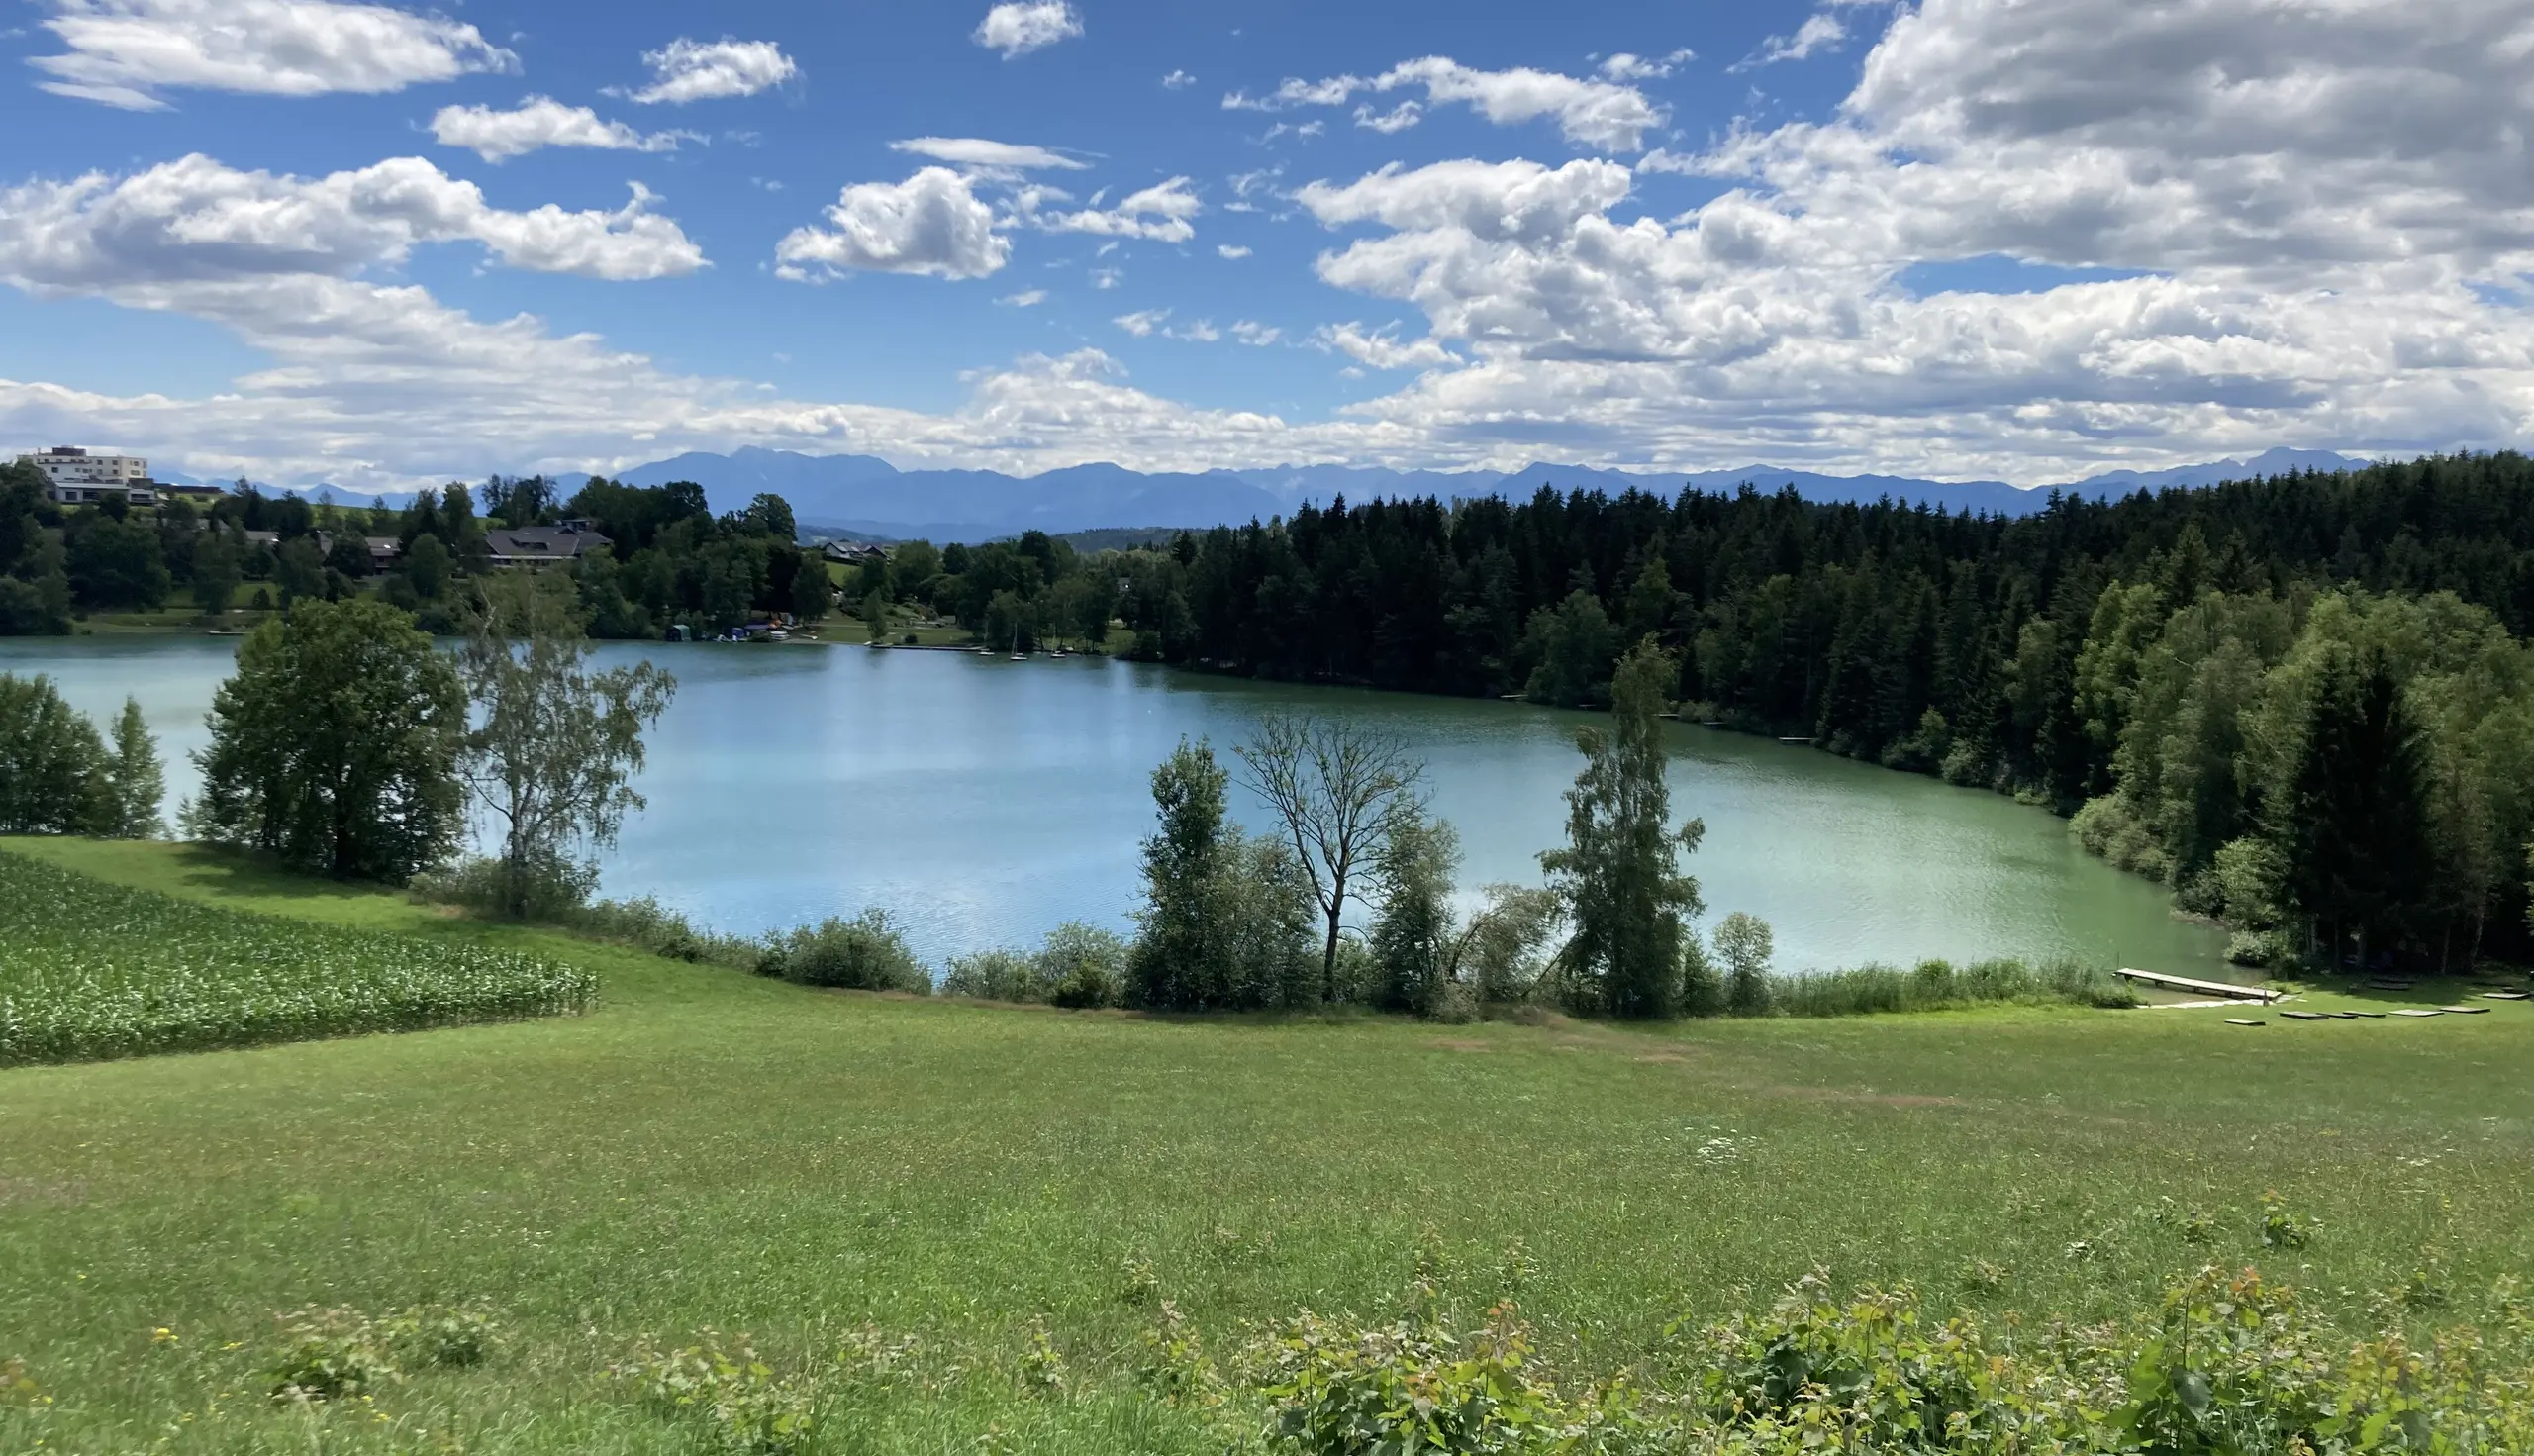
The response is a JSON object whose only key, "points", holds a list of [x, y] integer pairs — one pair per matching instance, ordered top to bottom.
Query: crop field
{"points": [[90, 971], [724, 1213]]}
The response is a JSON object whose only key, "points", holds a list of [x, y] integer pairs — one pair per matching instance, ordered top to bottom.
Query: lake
{"points": [[984, 801]]}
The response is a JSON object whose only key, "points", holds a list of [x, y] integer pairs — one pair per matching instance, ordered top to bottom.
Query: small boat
{"points": [[1020, 657]]}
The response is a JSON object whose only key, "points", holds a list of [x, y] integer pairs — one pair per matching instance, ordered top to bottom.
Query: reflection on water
{"points": [[984, 801]]}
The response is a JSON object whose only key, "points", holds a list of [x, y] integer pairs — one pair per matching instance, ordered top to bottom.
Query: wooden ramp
{"points": [[2207, 988]]}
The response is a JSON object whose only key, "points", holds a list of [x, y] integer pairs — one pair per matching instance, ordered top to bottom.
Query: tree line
{"points": [[2216, 671], [2204, 676]]}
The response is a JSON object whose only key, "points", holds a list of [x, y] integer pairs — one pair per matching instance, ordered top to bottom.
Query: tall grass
{"points": [[1936, 985]]}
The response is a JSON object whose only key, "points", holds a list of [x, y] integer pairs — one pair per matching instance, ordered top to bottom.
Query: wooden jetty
{"points": [[2207, 988]]}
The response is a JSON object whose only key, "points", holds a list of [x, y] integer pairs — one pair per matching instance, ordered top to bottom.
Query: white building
{"points": [[79, 478]]}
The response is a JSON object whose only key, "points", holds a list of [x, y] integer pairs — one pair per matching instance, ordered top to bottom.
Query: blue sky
{"points": [[1961, 239]]}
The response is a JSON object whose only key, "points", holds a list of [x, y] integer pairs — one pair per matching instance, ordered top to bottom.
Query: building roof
{"points": [[528, 544]]}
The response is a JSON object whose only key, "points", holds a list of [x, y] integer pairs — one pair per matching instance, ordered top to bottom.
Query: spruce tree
{"points": [[134, 780], [2351, 821], [1620, 873]]}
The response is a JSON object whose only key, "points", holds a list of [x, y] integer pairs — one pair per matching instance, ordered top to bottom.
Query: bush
{"points": [[2111, 828], [483, 886], [551, 893], [647, 925], [865, 953], [1083, 966], [1080, 967], [993, 974], [338, 1354], [2230, 1365], [1418, 1387], [733, 1398]]}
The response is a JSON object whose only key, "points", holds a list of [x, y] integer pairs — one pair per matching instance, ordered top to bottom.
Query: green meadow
{"points": [[933, 1185]]}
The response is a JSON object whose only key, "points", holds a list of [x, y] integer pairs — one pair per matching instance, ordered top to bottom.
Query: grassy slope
{"points": [[711, 1150]]}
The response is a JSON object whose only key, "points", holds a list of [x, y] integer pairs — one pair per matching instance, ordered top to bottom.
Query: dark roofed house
{"points": [[536, 545], [852, 553]]}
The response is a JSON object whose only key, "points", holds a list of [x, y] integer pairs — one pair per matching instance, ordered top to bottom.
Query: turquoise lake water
{"points": [[984, 801]]}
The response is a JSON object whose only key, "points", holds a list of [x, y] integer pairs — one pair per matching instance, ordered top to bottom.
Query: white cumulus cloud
{"points": [[1017, 29], [1818, 32], [124, 53], [1627, 68], [687, 70], [1605, 114], [1397, 119], [538, 121], [976, 152], [1159, 213], [198, 221], [931, 223], [2029, 244], [1231, 252], [1381, 349]]}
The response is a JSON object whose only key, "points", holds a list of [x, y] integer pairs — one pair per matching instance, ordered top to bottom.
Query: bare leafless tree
{"points": [[1335, 785]]}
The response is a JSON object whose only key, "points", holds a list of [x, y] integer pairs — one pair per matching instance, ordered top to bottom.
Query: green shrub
{"points": [[551, 893], [647, 925], [865, 953], [1083, 966], [90, 971], [993, 974], [2280, 1228], [341, 1354], [330, 1355], [2229, 1365], [1417, 1387], [734, 1400]]}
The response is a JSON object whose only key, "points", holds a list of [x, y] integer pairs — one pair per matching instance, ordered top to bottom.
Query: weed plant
{"points": [[91, 971]]}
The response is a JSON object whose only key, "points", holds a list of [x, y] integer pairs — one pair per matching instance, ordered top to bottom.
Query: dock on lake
{"points": [[2164, 982]]}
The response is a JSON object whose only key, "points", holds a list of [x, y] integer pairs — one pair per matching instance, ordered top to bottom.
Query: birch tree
{"points": [[1336, 788]]}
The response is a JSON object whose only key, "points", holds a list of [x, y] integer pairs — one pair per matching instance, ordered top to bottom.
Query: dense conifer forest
{"points": [[2304, 700]]}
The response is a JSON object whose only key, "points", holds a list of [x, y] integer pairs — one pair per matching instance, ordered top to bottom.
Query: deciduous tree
{"points": [[336, 744], [556, 745], [52, 767], [1338, 787]]}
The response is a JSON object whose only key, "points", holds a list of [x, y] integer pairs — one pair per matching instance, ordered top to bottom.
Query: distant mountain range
{"points": [[868, 496]]}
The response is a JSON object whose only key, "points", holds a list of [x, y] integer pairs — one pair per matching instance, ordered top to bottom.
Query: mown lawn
{"points": [[709, 1151]]}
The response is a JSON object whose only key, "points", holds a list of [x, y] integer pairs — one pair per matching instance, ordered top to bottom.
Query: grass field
{"points": [[708, 1151]]}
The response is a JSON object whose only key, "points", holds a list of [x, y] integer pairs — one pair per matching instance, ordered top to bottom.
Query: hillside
{"points": [[905, 1202]]}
